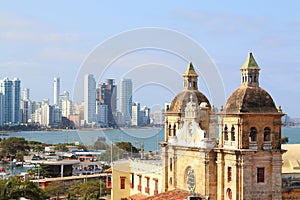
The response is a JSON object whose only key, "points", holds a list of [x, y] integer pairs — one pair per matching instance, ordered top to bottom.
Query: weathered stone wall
{"points": [[291, 194]]}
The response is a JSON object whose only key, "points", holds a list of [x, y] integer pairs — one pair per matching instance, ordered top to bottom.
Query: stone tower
{"points": [[190, 136], [249, 155]]}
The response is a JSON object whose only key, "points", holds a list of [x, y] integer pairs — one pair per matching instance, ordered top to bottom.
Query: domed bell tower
{"points": [[175, 111], [187, 153], [249, 155]]}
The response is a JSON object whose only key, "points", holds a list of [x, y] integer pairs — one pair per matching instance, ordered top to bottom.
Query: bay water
{"points": [[149, 137]]}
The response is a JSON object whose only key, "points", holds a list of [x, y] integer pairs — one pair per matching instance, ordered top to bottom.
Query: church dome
{"points": [[190, 92], [250, 98], [247, 99], [180, 101]]}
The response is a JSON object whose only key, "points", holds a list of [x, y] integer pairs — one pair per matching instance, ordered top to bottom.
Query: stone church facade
{"points": [[244, 162]]}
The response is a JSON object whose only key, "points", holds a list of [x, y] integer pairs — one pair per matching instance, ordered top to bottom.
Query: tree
{"points": [[284, 140], [99, 145], [14, 146], [81, 146], [127, 146], [61, 147], [115, 155], [42, 171], [15, 189], [56, 189], [88, 190]]}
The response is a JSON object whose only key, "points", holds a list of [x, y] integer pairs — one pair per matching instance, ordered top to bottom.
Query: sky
{"points": [[40, 40]]}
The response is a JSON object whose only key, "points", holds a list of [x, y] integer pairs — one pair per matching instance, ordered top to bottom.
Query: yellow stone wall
{"points": [[203, 164], [120, 169]]}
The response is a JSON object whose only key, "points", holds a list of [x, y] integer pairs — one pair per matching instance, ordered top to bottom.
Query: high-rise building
{"points": [[56, 90], [11, 91], [26, 94], [107, 95], [63, 97], [89, 98], [16, 100], [126, 100], [65, 104], [25, 106], [66, 107], [1, 108], [25, 110], [50, 115], [102, 115], [145, 116], [158, 117], [135, 119]]}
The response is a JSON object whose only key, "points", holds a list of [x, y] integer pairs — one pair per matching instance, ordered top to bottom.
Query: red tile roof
{"points": [[171, 195], [138, 196]]}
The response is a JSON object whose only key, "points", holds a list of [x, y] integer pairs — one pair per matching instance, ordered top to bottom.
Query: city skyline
{"points": [[38, 45]]}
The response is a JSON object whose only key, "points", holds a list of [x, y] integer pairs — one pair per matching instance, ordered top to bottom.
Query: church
{"points": [[242, 162]]}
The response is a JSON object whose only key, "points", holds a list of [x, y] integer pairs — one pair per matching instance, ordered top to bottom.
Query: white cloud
{"points": [[12, 21], [23, 28], [38, 37], [64, 54]]}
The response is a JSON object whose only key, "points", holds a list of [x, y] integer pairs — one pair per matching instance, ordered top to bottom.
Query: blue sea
{"points": [[147, 136]]}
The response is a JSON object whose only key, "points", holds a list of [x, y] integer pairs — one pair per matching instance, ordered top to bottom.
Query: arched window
{"points": [[169, 129], [174, 129], [226, 133], [232, 133], [253, 134], [267, 134], [171, 164]]}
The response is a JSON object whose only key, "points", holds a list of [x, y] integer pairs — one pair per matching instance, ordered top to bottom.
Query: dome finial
{"points": [[250, 63], [190, 71], [250, 71]]}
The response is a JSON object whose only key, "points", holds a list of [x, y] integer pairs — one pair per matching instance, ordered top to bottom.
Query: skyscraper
{"points": [[56, 88], [11, 91], [26, 94], [107, 95], [89, 98], [16, 99], [126, 100], [1, 109], [135, 114]]}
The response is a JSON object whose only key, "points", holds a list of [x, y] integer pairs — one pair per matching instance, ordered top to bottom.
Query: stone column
{"points": [[62, 170], [220, 175]]}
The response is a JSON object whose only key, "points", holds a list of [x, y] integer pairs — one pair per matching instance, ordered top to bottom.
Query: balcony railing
{"points": [[253, 145], [267, 145], [147, 190]]}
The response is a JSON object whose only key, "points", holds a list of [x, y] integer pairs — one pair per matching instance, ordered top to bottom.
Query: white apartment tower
{"points": [[56, 87], [26, 95], [89, 98], [126, 100], [26, 109], [135, 114]]}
